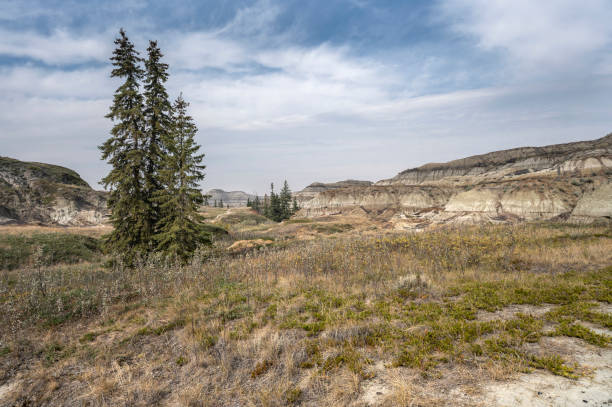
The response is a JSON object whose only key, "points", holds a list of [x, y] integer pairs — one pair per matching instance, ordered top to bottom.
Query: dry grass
{"points": [[28, 230], [328, 322]]}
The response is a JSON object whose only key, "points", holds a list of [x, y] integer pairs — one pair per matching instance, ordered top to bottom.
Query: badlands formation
{"points": [[570, 181], [47, 194], [231, 198]]}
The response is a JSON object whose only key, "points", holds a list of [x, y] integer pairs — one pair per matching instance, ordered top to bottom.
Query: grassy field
{"points": [[349, 316]]}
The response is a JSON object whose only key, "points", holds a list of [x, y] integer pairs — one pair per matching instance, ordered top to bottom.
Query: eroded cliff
{"points": [[571, 181], [47, 194]]}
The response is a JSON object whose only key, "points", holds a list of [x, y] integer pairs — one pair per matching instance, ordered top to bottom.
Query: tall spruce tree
{"points": [[158, 122], [125, 151], [180, 229]]}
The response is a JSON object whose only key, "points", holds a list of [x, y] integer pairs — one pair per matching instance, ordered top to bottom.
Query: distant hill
{"points": [[32, 192], [231, 198]]}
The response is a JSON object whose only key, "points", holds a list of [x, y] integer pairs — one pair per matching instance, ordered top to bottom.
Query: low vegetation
{"points": [[18, 250], [310, 323]]}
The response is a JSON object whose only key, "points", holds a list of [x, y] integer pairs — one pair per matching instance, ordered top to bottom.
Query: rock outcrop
{"points": [[554, 160], [571, 181], [315, 188], [47, 194], [232, 198]]}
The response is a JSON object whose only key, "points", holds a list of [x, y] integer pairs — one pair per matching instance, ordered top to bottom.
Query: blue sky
{"points": [[313, 90]]}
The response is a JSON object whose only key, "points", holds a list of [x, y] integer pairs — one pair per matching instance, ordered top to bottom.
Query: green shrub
{"points": [[17, 250]]}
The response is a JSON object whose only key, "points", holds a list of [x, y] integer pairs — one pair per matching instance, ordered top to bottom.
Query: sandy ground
{"points": [[544, 389]]}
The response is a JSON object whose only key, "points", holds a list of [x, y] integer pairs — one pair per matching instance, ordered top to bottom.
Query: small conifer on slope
{"points": [[125, 151], [180, 230]]}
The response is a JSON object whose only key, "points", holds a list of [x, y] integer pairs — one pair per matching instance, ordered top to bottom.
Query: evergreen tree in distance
{"points": [[158, 121], [125, 151], [285, 202], [256, 204], [277, 207], [295, 207], [180, 229]]}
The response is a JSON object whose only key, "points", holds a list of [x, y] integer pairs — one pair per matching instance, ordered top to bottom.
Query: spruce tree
{"points": [[158, 121], [125, 151], [285, 201], [256, 204], [275, 205], [266, 206], [295, 207], [180, 229]]}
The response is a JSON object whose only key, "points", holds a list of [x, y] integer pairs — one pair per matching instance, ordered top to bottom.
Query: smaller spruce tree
{"points": [[256, 205], [295, 207], [181, 229]]}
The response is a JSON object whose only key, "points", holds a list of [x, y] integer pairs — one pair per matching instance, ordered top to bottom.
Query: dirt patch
{"points": [[512, 310], [6, 389], [545, 389]]}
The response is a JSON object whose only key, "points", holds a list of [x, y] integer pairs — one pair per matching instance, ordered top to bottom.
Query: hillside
{"points": [[570, 181], [315, 188], [33, 192], [231, 198]]}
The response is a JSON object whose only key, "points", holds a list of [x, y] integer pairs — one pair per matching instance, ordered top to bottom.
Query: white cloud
{"points": [[543, 34], [61, 47], [45, 83]]}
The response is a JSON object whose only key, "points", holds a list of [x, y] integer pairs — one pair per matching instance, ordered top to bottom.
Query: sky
{"points": [[318, 90]]}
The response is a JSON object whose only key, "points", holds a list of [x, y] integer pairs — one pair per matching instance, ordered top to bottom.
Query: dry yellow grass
{"points": [[94, 231], [334, 321]]}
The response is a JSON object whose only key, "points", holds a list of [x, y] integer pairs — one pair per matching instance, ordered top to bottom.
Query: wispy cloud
{"points": [[557, 35], [58, 48]]}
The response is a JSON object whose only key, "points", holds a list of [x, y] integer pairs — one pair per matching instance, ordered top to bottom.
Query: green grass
{"points": [[53, 173], [299, 220], [332, 228], [17, 250], [582, 332]]}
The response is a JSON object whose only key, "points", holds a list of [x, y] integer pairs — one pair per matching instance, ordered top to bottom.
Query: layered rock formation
{"points": [[565, 181], [315, 188], [48, 194], [232, 198]]}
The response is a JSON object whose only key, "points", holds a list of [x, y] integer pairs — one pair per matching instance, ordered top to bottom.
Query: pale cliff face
{"points": [[554, 160], [567, 181], [47, 194], [231, 198]]}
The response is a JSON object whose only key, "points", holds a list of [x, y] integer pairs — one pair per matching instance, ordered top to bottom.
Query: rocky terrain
{"points": [[570, 181], [315, 188], [33, 192], [231, 198]]}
